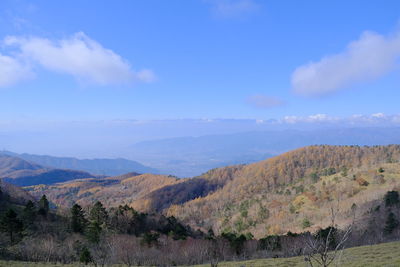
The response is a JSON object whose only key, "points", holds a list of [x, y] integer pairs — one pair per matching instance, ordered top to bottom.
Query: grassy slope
{"points": [[386, 254]]}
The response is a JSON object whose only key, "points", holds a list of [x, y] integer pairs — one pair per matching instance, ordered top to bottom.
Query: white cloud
{"points": [[232, 8], [81, 57], [367, 58], [12, 71], [263, 101], [378, 115], [319, 117], [309, 119], [376, 119]]}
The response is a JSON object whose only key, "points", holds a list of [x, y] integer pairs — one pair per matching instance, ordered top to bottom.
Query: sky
{"points": [[107, 62]]}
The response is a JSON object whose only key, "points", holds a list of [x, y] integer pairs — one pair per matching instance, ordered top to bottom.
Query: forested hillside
{"points": [[112, 191], [293, 191], [12, 195]]}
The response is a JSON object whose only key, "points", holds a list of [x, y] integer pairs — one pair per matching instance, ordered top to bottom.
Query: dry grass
{"points": [[387, 254]]}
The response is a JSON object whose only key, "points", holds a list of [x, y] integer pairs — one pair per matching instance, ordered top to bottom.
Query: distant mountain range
{"points": [[191, 156], [107, 167], [20, 172]]}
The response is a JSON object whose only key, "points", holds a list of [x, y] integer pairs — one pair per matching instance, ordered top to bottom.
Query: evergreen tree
{"points": [[392, 198], [43, 206], [29, 213], [98, 214], [78, 220], [391, 223], [10, 224], [93, 232], [210, 234], [150, 238], [85, 256]]}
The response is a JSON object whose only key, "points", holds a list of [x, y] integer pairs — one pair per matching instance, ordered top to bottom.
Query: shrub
{"points": [[314, 177], [361, 181], [392, 198], [306, 223], [391, 223], [327, 235], [150, 238], [236, 241], [271, 242], [85, 256]]}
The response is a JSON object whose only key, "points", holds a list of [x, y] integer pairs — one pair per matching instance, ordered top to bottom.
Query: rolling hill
{"points": [[17, 171], [112, 191], [293, 191], [12, 196]]}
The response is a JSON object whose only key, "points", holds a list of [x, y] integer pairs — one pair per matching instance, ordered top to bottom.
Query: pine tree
{"points": [[392, 198], [43, 206], [29, 213], [98, 214], [78, 220], [391, 223], [10, 224], [93, 232], [85, 256]]}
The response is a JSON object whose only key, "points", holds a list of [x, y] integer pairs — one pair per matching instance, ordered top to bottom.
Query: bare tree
{"points": [[327, 245]]}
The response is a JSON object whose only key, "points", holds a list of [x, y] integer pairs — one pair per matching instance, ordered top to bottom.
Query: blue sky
{"points": [[198, 59], [89, 78]]}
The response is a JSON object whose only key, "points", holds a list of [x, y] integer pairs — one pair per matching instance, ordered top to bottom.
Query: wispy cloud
{"points": [[232, 8], [79, 56], [370, 57], [13, 71], [263, 101], [316, 118], [376, 119]]}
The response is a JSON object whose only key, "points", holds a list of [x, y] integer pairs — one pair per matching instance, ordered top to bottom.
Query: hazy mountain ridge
{"points": [[191, 156], [9, 165], [109, 167], [21, 172]]}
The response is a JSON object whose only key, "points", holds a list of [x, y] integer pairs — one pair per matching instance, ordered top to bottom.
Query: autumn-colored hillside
{"points": [[293, 191], [112, 192]]}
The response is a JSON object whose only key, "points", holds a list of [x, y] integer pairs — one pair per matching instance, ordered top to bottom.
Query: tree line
{"points": [[121, 235]]}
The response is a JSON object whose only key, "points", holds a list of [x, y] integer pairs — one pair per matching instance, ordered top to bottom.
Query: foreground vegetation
{"points": [[100, 236], [386, 254]]}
